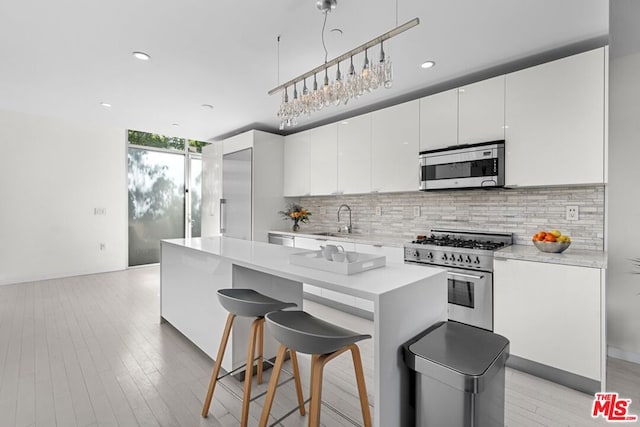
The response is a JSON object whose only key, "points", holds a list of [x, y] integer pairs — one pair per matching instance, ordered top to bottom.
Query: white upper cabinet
{"points": [[481, 111], [466, 115], [439, 120], [555, 122], [394, 148], [354, 155], [323, 160], [296, 165]]}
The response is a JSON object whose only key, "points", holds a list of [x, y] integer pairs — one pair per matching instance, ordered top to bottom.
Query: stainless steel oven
{"points": [[468, 258], [470, 297]]}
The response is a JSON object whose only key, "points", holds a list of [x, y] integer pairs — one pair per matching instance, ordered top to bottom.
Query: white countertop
{"points": [[368, 239], [577, 257], [274, 259]]}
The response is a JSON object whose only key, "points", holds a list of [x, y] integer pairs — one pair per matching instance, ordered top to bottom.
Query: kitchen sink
{"points": [[330, 234], [337, 234]]}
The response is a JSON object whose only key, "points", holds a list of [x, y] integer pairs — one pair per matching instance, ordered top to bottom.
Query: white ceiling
{"points": [[63, 58]]}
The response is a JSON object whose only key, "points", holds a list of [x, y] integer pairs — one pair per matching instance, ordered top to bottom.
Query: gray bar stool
{"points": [[249, 303], [300, 331]]}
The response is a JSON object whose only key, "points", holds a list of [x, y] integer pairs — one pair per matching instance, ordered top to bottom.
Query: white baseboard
{"points": [[629, 356]]}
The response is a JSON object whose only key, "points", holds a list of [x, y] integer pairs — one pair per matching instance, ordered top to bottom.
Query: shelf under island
{"points": [[407, 299]]}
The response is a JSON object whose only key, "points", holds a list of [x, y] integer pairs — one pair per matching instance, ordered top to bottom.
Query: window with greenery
{"points": [[147, 139]]}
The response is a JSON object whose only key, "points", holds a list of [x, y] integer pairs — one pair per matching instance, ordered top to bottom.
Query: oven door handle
{"points": [[468, 276]]}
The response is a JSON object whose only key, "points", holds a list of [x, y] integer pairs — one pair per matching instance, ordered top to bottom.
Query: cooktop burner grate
{"points": [[447, 241]]}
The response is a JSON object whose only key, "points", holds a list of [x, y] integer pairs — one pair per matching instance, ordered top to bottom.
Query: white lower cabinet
{"points": [[314, 244], [393, 254], [310, 289], [551, 314]]}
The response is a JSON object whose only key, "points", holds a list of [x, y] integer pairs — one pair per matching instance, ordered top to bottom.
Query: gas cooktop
{"points": [[454, 242], [456, 248]]}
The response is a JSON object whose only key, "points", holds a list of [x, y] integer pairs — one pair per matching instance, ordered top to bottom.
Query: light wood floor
{"points": [[90, 351]]}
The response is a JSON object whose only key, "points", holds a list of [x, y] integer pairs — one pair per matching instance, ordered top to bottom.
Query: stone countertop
{"points": [[368, 239], [572, 256], [274, 259]]}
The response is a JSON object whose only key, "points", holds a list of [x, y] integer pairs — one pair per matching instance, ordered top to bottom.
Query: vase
{"points": [[295, 227]]}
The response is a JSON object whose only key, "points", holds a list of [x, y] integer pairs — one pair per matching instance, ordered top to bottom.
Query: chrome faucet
{"points": [[346, 228]]}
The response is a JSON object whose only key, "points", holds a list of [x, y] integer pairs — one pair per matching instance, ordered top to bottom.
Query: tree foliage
{"points": [[147, 139], [154, 140]]}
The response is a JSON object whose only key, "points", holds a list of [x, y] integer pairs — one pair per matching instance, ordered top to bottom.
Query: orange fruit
{"points": [[550, 238]]}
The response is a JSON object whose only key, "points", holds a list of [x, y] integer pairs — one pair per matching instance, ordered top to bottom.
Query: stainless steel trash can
{"points": [[459, 376]]}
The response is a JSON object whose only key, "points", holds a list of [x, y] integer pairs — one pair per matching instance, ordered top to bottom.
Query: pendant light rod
{"points": [[373, 42]]}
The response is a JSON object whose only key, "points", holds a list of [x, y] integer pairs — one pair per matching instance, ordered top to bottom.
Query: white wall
{"points": [[52, 176], [623, 197]]}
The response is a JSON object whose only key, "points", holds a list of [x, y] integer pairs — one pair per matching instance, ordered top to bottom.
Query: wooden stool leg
{"points": [[260, 349], [217, 365], [317, 365], [248, 373], [296, 379], [273, 385], [362, 388]]}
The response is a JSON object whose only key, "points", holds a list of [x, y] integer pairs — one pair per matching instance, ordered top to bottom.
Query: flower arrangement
{"points": [[296, 213]]}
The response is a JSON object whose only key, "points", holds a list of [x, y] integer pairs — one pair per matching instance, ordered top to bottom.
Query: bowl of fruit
{"points": [[551, 241]]}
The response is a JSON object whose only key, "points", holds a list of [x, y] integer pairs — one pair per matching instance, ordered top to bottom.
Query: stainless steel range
{"points": [[468, 258]]}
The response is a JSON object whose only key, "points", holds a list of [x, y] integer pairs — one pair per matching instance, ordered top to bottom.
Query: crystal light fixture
{"points": [[373, 75]]}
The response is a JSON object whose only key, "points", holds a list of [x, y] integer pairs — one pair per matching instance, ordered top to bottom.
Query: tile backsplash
{"points": [[521, 211]]}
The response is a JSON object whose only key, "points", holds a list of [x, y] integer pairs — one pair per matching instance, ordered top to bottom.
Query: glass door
{"points": [[165, 192], [194, 192], [156, 202]]}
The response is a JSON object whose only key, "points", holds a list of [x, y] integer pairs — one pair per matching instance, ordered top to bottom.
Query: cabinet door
{"points": [[481, 111], [439, 120], [555, 122], [395, 147], [354, 155], [323, 160], [296, 165], [308, 243], [314, 245], [393, 254], [349, 300], [550, 313]]}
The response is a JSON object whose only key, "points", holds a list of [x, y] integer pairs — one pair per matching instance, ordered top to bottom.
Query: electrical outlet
{"points": [[99, 211], [378, 211], [416, 211], [573, 213], [103, 246]]}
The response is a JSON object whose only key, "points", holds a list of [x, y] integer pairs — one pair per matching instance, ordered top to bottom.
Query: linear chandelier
{"points": [[339, 91]]}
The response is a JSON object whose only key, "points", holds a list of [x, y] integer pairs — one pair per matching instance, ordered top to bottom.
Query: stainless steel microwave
{"points": [[463, 166]]}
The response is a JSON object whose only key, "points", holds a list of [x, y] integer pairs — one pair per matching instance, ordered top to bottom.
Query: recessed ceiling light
{"points": [[336, 31], [141, 56], [427, 64], [106, 104], [207, 106], [345, 122], [175, 125]]}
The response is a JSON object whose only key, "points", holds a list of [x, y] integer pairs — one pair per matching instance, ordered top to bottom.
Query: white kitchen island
{"points": [[407, 299]]}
